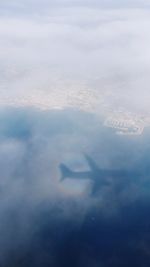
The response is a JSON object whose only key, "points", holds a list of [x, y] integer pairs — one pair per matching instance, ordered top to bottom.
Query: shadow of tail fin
{"points": [[65, 172]]}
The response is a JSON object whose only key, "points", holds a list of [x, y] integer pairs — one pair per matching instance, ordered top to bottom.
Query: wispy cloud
{"points": [[81, 43], [52, 49]]}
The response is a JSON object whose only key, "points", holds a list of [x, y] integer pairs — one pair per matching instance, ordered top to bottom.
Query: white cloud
{"points": [[79, 42]]}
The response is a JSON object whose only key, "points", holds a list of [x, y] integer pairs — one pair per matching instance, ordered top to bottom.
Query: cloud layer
{"points": [[106, 48], [50, 49], [48, 222]]}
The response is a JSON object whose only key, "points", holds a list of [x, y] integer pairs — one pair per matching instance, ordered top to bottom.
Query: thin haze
{"points": [[104, 44], [54, 51]]}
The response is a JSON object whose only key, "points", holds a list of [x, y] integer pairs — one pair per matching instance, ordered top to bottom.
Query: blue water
{"points": [[45, 226]]}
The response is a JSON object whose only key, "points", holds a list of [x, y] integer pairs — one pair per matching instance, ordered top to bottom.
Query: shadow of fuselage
{"points": [[99, 177]]}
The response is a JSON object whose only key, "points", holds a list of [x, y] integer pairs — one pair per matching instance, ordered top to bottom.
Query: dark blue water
{"points": [[43, 231]]}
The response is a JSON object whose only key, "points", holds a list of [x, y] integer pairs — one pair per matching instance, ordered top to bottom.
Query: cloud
{"points": [[32, 6], [103, 48], [55, 53], [33, 144], [43, 219]]}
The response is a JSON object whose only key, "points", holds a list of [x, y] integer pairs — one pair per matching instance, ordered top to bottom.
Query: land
{"points": [[18, 90], [127, 123]]}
